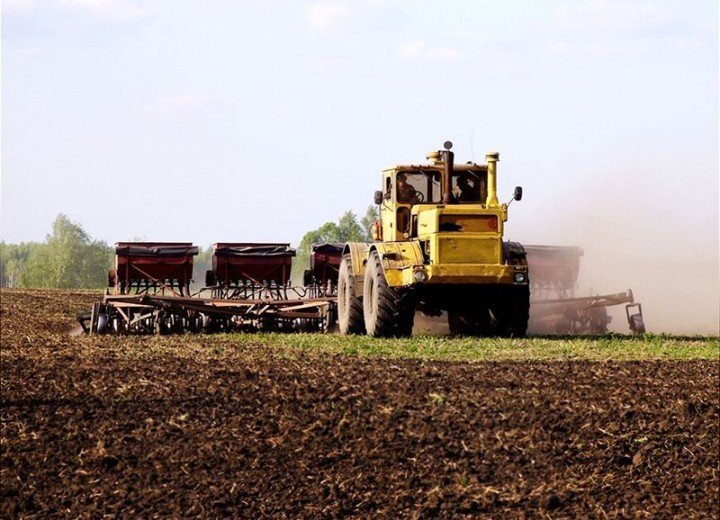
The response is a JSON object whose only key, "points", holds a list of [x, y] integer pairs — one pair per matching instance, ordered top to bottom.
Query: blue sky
{"points": [[259, 120]]}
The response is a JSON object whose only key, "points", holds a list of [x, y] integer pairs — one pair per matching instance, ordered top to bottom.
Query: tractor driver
{"points": [[405, 192], [468, 193]]}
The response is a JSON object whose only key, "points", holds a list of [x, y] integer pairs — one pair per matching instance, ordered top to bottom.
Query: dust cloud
{"points": [[656, 234], [678, 292], [431, 325]]}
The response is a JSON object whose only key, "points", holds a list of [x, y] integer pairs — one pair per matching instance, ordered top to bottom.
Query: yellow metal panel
{"points": [[387, 220], [427, 222], [461, 249], [358, 256], [398, 259], [469, 273]]}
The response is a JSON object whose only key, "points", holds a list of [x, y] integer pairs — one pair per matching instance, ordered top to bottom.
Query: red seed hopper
{"points": [[238, 263], [152, 267], [322, 277], [249, 288]]}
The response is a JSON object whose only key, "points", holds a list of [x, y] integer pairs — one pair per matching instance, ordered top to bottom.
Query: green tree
{"points": [[367, 222], [347, 229], [328, 232], [68, 259], [13, 260], [201, 264]]}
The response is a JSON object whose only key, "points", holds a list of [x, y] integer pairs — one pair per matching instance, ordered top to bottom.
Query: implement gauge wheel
{"points": [[350, 307], [388, 312], [637, 325]]}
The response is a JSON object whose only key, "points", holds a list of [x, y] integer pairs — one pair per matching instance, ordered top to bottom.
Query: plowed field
{"points": [[216, 426]]}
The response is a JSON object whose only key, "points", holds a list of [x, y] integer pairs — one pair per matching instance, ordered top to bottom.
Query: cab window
{"points": [[418, 186], [469, 186]]}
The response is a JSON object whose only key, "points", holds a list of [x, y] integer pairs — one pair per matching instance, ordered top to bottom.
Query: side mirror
{"points": [[518, 193], [378, 197]]}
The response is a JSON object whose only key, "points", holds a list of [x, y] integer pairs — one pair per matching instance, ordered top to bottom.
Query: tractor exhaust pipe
{"points": [[492, 159], [448, 160]]}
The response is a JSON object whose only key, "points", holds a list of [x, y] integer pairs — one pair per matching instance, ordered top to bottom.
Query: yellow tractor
{"points": [[438, 247]]}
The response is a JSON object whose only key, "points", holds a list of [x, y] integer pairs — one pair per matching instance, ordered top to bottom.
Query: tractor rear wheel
{"points": [[350, 307], [510, 310], [389, 312]]}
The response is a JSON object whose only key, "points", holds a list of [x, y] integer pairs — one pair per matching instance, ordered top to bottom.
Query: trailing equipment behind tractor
{"points": [[248, 289], [555, 308]]}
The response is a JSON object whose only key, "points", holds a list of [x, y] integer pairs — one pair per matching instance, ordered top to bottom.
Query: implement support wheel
{"points": [[350, 307], [389, 312]]}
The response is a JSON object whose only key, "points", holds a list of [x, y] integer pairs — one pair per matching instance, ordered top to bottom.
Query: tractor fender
{"points": [[358, 252], [514, 253], [397, 257]]}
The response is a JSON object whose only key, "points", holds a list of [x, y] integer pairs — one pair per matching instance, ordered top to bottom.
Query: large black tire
{"points": [[350, 307], [511, 308], [510, 311], [389, 312], [103, 323]]}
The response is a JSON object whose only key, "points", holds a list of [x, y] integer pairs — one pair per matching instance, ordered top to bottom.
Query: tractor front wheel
{"points": [[389, 312]]}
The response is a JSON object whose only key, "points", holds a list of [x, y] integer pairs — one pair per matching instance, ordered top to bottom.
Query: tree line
{"points": [[347, 229], [70, 259]]}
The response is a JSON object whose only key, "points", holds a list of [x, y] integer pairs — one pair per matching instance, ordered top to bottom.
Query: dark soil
{"points": [[100, 431]]}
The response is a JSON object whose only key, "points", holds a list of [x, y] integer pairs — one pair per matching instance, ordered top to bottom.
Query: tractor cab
{"points": [[417, 193]]}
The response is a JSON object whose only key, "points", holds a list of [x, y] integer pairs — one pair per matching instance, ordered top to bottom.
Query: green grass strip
{"points": [[608, 347]]}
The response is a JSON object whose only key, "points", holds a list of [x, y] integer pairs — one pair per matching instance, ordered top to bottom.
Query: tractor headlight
{"points": [[419, 276], [520, 277]]}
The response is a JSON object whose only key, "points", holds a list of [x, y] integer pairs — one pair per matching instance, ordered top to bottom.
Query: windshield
{"points": [[418, 186], [469, 186]]}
